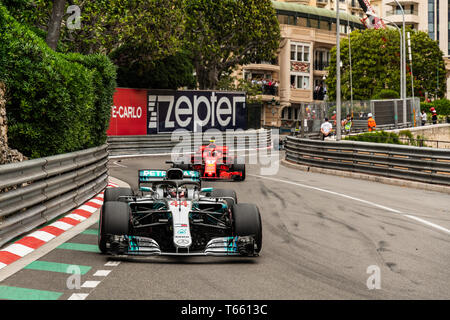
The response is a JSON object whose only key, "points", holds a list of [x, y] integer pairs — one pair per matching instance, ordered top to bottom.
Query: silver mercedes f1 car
{"points": [[172, 215]]}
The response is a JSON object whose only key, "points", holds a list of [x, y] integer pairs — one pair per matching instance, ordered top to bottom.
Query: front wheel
{"points": [[110, 194], [114, 220], [247, 222]]}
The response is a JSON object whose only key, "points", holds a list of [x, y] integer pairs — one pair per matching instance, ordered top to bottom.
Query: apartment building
{"points": [[308, 33]]}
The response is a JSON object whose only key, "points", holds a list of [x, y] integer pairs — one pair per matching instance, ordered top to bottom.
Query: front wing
{"points": [[222, 246]]}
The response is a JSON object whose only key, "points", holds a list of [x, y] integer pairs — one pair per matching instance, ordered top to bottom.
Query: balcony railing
{"points": [[399, 12], [272, 62], [271, 90]]}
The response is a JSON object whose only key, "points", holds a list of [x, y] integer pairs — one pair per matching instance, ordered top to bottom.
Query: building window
{"points": [[285, 19], [302, 22], [314, 23], [324, 25], [333, 27], [431, 33], [299, 52], [321, 59], [300, 81], [286, 113]]}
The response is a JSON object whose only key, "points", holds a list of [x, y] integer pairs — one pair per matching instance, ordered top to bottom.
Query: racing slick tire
{"points": [[241, 168], [225, 193], [111, 194], [114, 220], [247, 222]]}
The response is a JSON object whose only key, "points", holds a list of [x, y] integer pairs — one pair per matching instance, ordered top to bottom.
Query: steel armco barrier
{"points": [[163, 143], [426, 165], [48, 187]]}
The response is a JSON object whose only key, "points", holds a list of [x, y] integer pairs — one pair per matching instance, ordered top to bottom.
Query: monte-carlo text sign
{"points": [[169, 110]]}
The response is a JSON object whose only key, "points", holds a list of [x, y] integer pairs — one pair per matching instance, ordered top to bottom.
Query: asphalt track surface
{"points": [[321, 233]]}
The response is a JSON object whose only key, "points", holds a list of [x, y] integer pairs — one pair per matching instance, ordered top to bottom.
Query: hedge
{"points": [[386, 94], [56, 103], [442, 106], [377, 136], [403, 137]]}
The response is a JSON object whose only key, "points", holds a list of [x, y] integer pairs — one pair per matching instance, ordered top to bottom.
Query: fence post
{"points": [[395, 114]]}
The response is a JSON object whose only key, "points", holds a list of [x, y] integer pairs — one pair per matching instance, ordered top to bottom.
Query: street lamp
{"points": [[404, 63], [338, 74]]}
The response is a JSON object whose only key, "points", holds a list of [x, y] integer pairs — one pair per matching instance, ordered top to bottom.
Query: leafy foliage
{"points": [[155, 25], [224, 34], [376, 65], [168, 73], [232, 83], [386, 94], [56, 103], [442, 106], [377, 136], [403, 137]]}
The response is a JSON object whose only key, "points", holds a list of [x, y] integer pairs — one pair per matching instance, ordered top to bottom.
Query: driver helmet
{"points": [[212, 143]]}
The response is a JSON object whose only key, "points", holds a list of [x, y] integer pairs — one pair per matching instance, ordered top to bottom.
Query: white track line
{"points": [[119, 165], [430, 224], [102, 273], [90, 284], [78, 296]]}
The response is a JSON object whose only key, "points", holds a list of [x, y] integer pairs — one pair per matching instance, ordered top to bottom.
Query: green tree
{"points": [[54, 23], [155, 25], [224, 34], [376, 65], [171, 72], [228, 82], [386, 94]]}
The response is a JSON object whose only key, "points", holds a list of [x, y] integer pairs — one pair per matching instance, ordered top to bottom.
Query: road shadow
{"points": [[185, 260]]}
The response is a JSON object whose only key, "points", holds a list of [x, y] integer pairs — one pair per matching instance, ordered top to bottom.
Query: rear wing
{"points": [[150, 175]]}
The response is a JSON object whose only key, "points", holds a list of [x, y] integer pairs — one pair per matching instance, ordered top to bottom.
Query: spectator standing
{"points": [[320, 93], [434, 116], [424, 117], [347, 123], [371, 124], [325, 129]]}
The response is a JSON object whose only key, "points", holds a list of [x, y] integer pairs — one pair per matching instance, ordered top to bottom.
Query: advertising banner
{"points": [[195, 110], [140, 112], [128, 113]]}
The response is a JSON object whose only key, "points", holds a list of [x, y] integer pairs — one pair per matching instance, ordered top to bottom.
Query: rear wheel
{"points": [[240, 168], [225, 193], [111, 194], [247, 222]]}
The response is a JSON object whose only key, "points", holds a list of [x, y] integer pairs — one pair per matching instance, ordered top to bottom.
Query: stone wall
{"points": [[436, 132], [7, 155]]}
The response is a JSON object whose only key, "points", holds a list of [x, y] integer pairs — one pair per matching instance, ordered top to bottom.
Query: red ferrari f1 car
{"points": [[213, 162]]}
